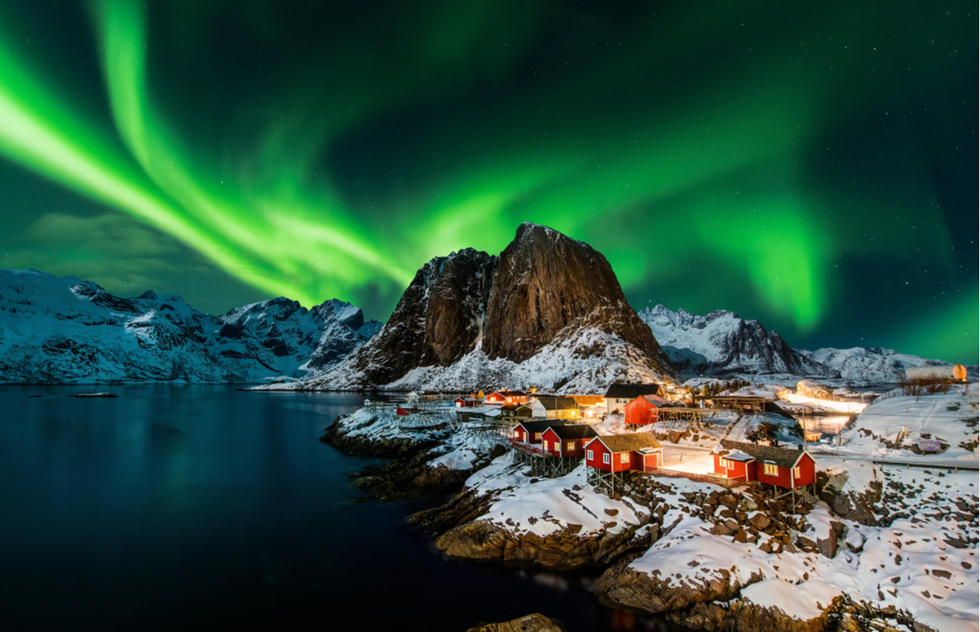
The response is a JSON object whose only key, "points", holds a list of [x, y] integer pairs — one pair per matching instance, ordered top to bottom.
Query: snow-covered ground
{"points": [[951, 418], [544, 506], [909, 564]]}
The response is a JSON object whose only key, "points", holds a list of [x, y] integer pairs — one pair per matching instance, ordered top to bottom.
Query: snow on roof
{"points": [[629, 442], [738, 455], [783, 457]]}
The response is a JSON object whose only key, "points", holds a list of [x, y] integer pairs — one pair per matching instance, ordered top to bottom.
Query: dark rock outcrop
{"points": [[546, 282], [544, 289], [437, 320], [528, 623]]}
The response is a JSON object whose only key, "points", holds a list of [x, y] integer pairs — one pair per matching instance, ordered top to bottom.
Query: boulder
{"points": [[529, 623]]}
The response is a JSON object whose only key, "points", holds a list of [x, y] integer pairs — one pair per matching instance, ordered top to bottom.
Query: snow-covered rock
{"points": [[66, 330], [722, 343], [869, 364]]}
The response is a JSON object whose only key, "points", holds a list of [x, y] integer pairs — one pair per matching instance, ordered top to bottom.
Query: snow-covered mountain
{"points": [[548, 312], [66, 330], [722, 343], [869, 364]]}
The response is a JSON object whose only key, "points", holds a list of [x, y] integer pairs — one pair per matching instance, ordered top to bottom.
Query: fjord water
{"points": [[203, 507]]}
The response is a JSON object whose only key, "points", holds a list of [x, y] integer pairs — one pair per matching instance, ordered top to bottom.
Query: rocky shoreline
{"points": [[479, 525]]}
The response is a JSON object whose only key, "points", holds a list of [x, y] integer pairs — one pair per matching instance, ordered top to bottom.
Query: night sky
{"points": [[810, 165]]}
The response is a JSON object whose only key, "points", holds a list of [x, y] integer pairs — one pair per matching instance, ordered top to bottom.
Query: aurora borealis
{"points": [[812, 167]]}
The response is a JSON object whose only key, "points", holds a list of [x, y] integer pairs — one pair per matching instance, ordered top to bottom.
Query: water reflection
{"points": [[202, 507]]}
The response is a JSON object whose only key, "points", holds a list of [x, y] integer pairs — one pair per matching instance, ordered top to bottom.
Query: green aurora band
{"points": [[672, 161]]}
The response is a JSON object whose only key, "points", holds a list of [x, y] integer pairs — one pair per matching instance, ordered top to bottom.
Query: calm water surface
{"points": [[203, 507]]}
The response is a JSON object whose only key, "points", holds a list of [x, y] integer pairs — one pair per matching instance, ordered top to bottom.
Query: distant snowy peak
{"points": [[69, 330], [722, 343], [871, 364]]}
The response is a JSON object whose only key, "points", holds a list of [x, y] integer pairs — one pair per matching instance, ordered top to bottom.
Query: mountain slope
{"points": [[547, 312], [65, 330], [721, 344]]}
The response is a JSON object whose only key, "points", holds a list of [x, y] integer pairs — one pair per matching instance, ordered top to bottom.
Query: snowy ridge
{"points": [[66, 330], [721, 344], [582, 361], [869, 363]]}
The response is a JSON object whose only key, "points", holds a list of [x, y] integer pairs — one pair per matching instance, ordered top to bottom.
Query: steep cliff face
{"points": [[546, 283], [548, 312], [437, 321], [721, 343]]}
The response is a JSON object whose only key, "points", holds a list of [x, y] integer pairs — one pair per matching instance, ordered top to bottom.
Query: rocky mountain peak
{"points": [[546, 282]]}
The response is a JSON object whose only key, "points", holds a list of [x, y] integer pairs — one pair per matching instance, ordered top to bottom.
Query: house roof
{"points": [[631, 391], [506, 393], [656, 400], [558, 403], [772, 407], [540, 425], [574, 431], [629, 442], [738, 455], [783, 457]]}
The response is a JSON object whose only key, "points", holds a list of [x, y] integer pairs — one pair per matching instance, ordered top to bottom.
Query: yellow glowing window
{"points": [[537, 435], [570, 445], [624, 457], [723, 462], [770, 469], [796, 472]]}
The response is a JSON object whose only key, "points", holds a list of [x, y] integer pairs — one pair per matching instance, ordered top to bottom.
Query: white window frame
{"points": [[589, 455], [624, 457], [605, 458], [723, 463], [770, 469], [796, 473]]}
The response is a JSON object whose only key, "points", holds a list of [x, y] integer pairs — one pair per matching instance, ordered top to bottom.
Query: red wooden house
{"points": [[499, 398], [466, 402], [643, 410], [532, 431], [567, 441], [618, 453], [780, 467]]}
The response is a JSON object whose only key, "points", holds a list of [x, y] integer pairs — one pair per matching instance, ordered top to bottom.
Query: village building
{"points": [[618, 395], [499, 398], [466, 402], [554, 407], [514, 410], [644, 410], [531, 431], [567, 441], [607, 456], [779, 467]]}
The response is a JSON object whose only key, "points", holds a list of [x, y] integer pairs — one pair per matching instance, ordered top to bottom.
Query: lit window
{"points": [[537, 435], [547, 445], [570, 445], [589, 455], [624, 457], [605, 458], [723, 463], [731, 465], [770, 469], [796, 472]]}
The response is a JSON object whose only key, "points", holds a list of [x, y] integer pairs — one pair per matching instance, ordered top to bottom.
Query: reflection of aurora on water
{"points": [[804, 170]]}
